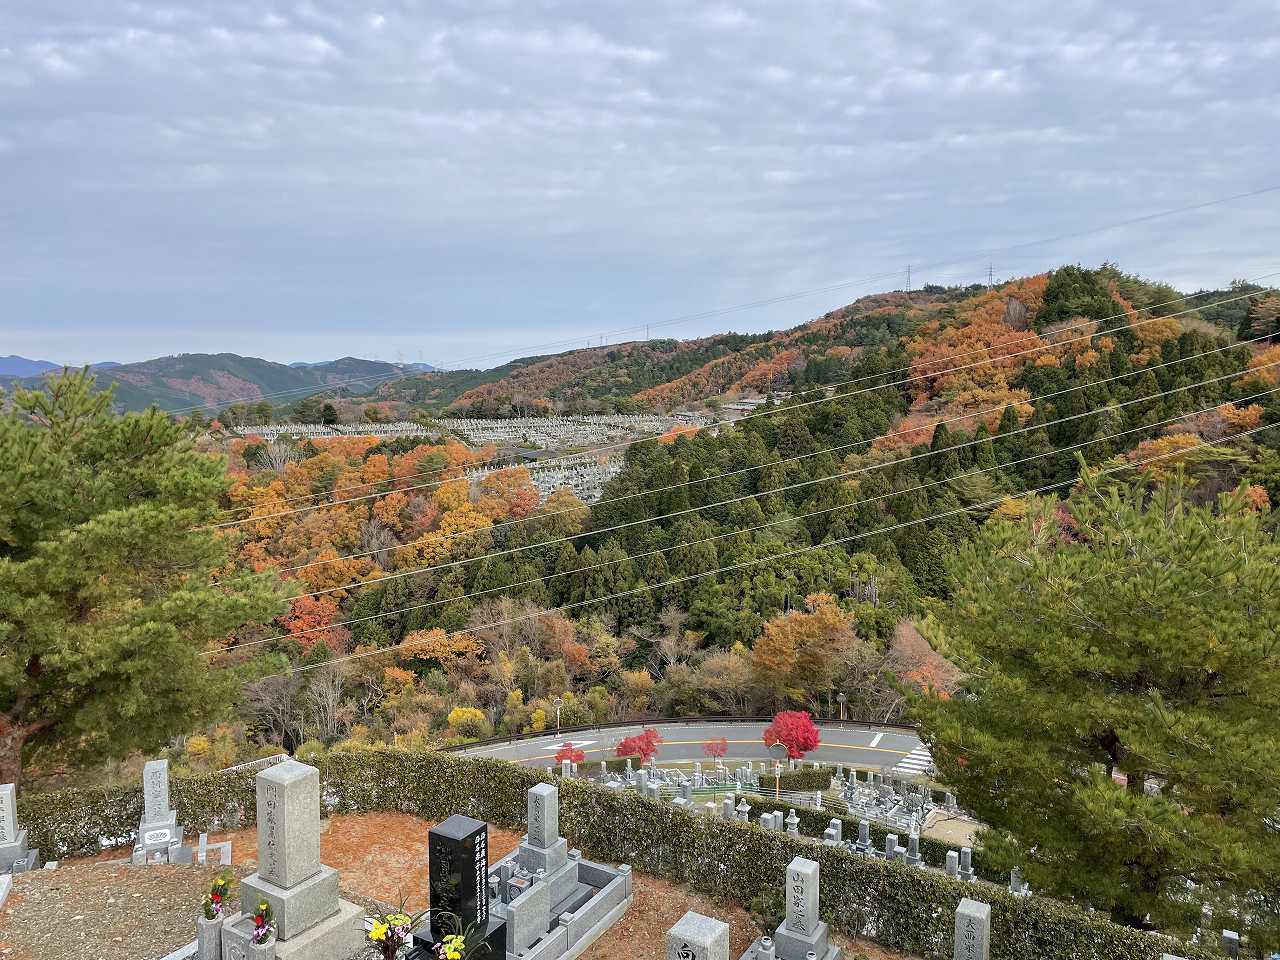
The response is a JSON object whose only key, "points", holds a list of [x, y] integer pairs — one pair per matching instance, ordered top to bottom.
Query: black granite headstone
{"points": [[458, 885]]}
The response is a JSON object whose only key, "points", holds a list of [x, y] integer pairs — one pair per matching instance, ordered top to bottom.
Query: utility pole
{"points": [[908, 278], [991, 282]]}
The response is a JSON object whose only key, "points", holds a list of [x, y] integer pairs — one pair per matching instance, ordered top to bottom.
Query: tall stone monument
{"points": [[158, 830], [13, 839], [544, 849], [458, 884], [312, 922], [973, 930], [802, 933]]}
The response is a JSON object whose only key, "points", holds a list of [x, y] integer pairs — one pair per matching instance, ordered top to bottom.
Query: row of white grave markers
{"points": [[802, 935]]}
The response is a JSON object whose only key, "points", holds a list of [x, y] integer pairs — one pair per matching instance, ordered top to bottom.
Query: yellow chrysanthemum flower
{"points": [[379, 931]]}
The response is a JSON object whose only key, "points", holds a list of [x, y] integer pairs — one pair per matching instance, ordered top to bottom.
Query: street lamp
{"points": [[842, 700], [558, 702], [779, 752]]}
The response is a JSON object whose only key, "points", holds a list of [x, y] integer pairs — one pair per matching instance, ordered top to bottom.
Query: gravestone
{"points": [[155, 791], [158, 829], [13, 839], [545, 849], [953, 864], [458, 883], [311, 919], [973, 930], [802, 932], [695, 937]]}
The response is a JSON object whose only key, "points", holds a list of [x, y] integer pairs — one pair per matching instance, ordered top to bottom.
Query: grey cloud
{"points": [[308, 179]]}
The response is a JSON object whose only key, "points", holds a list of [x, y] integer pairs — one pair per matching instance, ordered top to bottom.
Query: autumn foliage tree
{"points": [[801, 651], [795, 730], [643, 745], [716, 747], [569, 752]]}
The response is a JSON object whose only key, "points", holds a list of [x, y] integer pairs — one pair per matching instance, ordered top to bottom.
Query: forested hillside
{"points": [[663, 597]]}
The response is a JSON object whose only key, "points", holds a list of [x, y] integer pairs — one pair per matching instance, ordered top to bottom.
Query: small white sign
{"points": [[156, 836]]}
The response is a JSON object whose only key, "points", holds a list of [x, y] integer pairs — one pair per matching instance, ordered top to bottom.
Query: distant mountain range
{"points": [[15, 366], [622, 377], [191, 380]]}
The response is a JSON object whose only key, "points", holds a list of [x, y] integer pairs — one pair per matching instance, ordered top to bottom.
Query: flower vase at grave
{"points": [[209, 938]]}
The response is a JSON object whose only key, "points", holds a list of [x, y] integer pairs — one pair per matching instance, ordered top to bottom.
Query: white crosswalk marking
{"points": [[918, 761]]}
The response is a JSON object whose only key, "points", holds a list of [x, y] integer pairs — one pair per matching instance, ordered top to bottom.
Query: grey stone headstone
{"points": [[566, 769], [155, 791], [727, 809], [8, 814], [544, 815], [288, 823], [891, 846], [953, 864], [802, 896], [973, 930], [695, 937]]}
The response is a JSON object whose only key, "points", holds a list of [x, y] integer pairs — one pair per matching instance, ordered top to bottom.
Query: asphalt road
{"points": [[861, 747]]}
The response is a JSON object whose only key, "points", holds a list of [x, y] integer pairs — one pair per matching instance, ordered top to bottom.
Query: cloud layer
{"points": [[454, 180]]}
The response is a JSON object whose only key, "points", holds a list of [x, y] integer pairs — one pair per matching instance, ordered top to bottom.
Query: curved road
{"points": [[865, 747]]}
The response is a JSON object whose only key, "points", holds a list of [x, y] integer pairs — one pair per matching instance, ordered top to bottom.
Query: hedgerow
{"points": [[804, 778], [891, 903]]}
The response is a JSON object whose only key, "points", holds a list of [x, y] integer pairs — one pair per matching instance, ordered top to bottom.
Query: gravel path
{"points": [[100, 909]]}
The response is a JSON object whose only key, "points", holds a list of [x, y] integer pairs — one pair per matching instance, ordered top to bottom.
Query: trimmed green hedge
{"points": [[805, 778], [893, 904]]}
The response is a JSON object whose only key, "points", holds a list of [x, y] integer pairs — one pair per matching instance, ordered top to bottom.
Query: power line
{"points": [[781, 298], [1044, 345], [837, 384], [803, 456], [750, 496], [738, 531], [754, 562]]}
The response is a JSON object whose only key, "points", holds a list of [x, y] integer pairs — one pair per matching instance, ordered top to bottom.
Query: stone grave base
{"points": [[11, 853], [600, 897], [298, 907], [337, 938], [817, 944]]}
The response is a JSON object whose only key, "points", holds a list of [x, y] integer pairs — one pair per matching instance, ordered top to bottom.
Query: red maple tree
{"points": [[795, 730], [643, 745], [716, 748], [571, 753]]}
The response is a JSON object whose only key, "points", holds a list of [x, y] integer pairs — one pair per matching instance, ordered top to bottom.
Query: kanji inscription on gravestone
{"points": [[155, 791], [8, 814], [458, 859], [802, 896], [973, 930]]}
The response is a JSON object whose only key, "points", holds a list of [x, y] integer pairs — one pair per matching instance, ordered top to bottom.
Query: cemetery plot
{"points": [[317, 431], [557, 433]]}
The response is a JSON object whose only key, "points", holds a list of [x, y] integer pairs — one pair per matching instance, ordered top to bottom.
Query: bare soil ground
{"points": [[102, 908]]}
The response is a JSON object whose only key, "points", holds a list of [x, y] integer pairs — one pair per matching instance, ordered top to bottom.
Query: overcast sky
{"points": [[454, 180]]}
